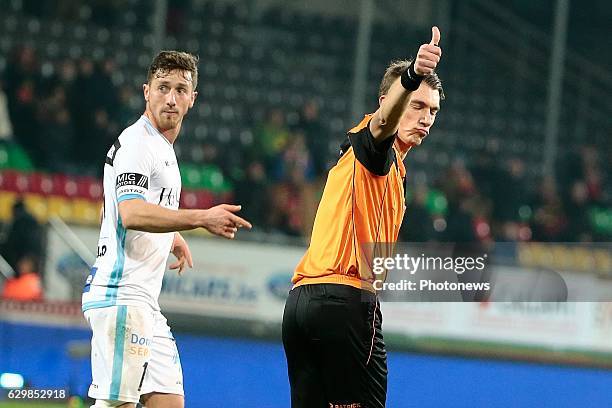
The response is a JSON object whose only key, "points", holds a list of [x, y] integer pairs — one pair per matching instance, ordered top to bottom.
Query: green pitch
{"points": [[32, 404]]}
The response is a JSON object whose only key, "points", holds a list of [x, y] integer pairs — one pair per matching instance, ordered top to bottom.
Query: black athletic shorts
{"points": [[334, 346]]}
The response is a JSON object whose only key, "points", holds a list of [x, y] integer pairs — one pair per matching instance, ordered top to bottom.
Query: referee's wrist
{"points": [[410, 79]]}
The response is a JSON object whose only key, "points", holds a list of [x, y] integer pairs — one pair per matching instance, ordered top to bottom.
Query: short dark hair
{"points": [[167, 61], [397, 68]]}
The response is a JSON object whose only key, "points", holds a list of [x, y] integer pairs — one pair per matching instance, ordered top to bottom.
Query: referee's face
{"points": [[169, 96], [419, 116]]}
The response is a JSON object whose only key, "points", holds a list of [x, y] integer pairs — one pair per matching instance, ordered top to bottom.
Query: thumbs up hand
{"points": [[429, 55]]}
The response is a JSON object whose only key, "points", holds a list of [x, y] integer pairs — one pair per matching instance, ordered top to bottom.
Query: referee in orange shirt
{"points": [[332, 335]]}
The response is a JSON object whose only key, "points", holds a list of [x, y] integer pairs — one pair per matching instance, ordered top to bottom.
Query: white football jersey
{"points": [[130, 264]]}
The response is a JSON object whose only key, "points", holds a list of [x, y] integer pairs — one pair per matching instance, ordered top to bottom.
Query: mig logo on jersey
{"points": [[132, 179]]}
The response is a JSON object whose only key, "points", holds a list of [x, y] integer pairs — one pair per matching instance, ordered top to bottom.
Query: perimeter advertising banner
{"points": [[233, 279], [246, 280]]}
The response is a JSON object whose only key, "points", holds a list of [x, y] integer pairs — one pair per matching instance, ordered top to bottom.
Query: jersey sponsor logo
{"points": [[132, 179], [130, 191], [168, 198], [101, 251], [139, 345]]}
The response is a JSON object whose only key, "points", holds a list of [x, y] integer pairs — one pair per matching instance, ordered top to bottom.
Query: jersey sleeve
{"points": [[377, 158], [133, 166]]}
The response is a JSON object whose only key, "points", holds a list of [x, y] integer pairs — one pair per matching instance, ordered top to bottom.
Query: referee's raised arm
{"points": [[386, 119]]}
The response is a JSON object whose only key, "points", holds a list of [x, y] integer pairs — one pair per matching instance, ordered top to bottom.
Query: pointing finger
{"points": [[239, 222]]}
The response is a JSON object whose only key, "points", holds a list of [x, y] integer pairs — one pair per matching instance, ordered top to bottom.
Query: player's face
{"points": [[169, 97], [419, 116]]}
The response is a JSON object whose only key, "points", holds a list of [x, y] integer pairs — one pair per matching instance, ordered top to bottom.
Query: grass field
{"points": [[32, 404]]}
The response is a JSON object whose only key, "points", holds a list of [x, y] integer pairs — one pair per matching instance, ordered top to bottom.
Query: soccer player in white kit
{"points": [[134, 356]]}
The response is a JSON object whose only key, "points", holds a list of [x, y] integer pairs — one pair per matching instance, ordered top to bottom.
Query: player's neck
{"points": [[170, 134], [402, 148]]}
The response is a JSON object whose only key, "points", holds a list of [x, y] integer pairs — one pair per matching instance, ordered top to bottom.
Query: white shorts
{"points": [[133, 353]]}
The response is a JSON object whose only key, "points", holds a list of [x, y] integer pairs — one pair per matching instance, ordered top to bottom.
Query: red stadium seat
{"points": [[59, 180], [14, 181], [41, 183], [64, 185], [89, 187], [197, 199]]}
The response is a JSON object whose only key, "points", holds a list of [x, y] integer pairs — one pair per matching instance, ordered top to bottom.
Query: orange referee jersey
{"points": [[362, 203]]}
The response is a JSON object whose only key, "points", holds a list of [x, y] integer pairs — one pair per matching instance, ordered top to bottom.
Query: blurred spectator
{"points": [[66, 74], [22, 80], [105, 92], [94, 97], [83, 106], [124, 114], [6, 128], [59, 134], [102, 136], [316, 138], [270, 139], [294, 162], [510, 192], [253, 193], [577, 209], [285, 212], [549, 221], [418, 223], [460, 224], [24, 238], [26, 285]]}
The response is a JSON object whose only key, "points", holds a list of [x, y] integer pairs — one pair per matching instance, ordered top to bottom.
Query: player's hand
{"points": [[429, 55], [222, 221], [180, 249]]}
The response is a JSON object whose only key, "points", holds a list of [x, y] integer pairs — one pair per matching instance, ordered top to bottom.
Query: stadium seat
{"points": [[11, 180], [40, 183], [89, 188], [7, 199], [37, 205], [59, 206], [85, 211]]}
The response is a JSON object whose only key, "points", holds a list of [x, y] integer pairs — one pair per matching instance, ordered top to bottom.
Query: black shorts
{"points": [[334, 346]]}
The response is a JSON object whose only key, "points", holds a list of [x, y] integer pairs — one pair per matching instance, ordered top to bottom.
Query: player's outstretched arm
{"points": [[386, 119], [220, 220]]}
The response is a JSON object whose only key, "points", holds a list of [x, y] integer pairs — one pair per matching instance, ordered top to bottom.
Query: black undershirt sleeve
{"points": [[377, 158]]}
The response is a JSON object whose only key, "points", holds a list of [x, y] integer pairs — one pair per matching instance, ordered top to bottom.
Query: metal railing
{"points": [[70, 238], [6, 269]]}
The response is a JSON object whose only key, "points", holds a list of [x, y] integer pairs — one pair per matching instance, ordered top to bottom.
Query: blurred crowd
{"points": [[67, 113], [64, 114], [491, 200]]}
